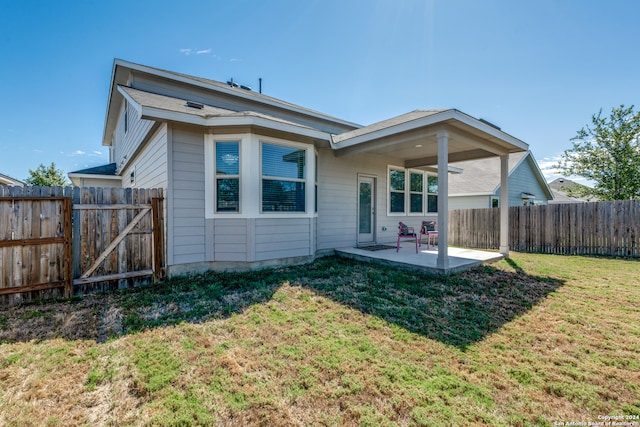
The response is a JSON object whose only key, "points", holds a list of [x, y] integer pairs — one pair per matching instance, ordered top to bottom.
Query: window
{"points": [[126, 116], [227, 177], [283, 178], [396, 190], [415, 192], [432, 193], [495, 202]]}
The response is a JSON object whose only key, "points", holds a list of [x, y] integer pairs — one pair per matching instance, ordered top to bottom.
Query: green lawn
{"points": [[533, 340]]}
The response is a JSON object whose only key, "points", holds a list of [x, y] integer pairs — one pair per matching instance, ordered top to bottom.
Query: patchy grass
{"points": [[532, 340]]}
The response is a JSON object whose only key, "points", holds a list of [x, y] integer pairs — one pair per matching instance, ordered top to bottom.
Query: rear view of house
{"points": [[254, 181]]}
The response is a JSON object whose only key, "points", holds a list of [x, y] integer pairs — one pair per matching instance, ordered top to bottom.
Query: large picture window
{"points": [[227, 177], [283, 178]]}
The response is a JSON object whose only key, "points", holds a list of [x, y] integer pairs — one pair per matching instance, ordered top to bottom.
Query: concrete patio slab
{"points": [[425, 260]]}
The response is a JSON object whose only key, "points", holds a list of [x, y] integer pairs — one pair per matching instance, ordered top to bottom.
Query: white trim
{"points": [[429, 120], [210, 174], [93, 176], [471, 194], [388, 195]]}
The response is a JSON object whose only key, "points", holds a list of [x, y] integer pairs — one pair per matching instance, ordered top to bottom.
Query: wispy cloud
{"points": [[189, 51], [38, 151], [82, 153]]}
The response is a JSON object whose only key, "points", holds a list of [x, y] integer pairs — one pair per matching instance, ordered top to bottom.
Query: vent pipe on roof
{"points": [[259, 84]]}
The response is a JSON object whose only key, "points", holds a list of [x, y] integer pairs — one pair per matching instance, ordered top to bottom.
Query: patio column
{"points": [[443, 200], [504, 205]]}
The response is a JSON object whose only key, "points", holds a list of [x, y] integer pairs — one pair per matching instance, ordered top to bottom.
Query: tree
{"points": [[608, 154], [47, 176]]}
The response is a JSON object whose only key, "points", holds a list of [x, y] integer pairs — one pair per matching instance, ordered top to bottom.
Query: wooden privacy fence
{"points": [[609, 228], [64, 240]]}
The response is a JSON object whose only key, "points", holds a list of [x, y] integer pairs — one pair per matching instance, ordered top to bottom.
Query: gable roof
{"points": [[120, 76], [154, 106], [109, 169], [482, 176], [7, 180], [559, 187]]}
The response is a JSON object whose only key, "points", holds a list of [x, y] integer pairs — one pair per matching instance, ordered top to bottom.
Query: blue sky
{"points": [[537, 69]]}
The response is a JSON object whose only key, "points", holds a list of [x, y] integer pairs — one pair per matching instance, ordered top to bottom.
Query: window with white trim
{"points": [[227, 177], [283, 178], [416, 189], [396, 190]]}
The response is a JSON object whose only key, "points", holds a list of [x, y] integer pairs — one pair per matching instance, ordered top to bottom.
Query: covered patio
{"points": [[429, 140], [426, 260]]}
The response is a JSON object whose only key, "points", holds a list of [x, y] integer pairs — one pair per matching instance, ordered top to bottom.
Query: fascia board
{"points": [[229, 91], [130, 100], [159, 114], [431, 120], [391, 130], [497, 133], [94, 176], [472, 194]]}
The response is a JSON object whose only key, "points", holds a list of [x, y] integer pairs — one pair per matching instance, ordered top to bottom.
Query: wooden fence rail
{"points": [[609, 228], [78, 239]]}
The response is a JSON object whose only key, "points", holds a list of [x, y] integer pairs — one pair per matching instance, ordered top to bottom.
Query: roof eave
{"points": [[157, 114], [433, 119]]}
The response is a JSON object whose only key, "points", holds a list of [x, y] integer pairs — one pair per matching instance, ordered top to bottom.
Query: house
{"points": [[99, 176], [7, 180], [253, 181], [478, 186], [559, 188]]}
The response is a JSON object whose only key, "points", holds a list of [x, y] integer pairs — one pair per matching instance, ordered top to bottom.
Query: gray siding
{"points": [[127, 142], [151, 164], [523, 179], [337, 200], [469, 202], [187, 208], [283, 238], [230, 239]]}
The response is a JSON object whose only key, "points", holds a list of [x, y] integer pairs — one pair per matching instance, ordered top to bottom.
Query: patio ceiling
{"points": [[412, 137]]}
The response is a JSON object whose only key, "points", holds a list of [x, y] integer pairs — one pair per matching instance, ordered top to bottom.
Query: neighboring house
{"points": [[99, 176], [7, 180], [252, 181], [478, 186], [560, 186]]}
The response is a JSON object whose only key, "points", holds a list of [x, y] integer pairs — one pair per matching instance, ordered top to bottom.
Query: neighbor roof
{"points": [[109, 169], [482, 176], [7, 180]]}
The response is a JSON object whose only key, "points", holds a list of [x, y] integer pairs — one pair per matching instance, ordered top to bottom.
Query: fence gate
{"points": [[118, 237], [77, 240], [35, 244]]}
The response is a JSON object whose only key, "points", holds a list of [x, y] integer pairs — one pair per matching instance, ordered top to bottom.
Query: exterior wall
{"points": [[126, 143], [150, 165], [523, 179], [97, 182], [338, 198], [469, 202], [186, 232]]}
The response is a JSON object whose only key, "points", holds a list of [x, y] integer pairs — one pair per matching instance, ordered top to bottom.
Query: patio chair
{"points": [[429, 229], [405, 232]]}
